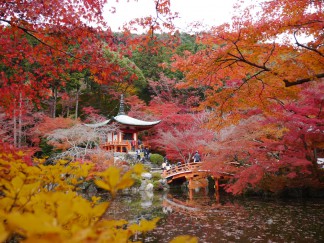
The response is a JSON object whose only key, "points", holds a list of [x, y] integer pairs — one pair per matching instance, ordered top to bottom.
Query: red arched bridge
{"points": [[183, 171], [192, 172]]}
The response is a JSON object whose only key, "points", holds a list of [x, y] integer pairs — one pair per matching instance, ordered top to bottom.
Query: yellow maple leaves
{"points": [[112, 180], [42, 203], [144, 225], [185, 239]]}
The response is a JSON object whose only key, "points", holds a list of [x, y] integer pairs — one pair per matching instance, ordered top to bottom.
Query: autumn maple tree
{"points": [[50, 49], [254, 60], [261, 72]]}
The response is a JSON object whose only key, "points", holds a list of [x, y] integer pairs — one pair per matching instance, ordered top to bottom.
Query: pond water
{"points": [[225, 219]]}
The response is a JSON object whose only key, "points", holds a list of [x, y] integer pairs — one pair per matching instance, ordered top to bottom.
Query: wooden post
{"points": [[216, 185], [190, 186], [217, 190], [191, 194], [217, 197]]}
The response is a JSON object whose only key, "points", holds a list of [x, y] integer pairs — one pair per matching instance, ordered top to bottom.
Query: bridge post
{"points": [[216, 185], [190, 187], [216, 189], [191, 194], [217, 197]]}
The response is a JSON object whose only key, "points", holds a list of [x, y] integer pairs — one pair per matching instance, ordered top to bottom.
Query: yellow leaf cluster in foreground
{"points": [[42, 204]]}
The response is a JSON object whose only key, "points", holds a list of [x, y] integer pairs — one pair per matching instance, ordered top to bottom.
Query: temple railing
{"points": [[117, 146], [122, 146]]}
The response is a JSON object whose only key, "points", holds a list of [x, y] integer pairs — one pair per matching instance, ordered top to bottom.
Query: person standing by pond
{"points": [[138, 154], [196, 157], [164, 164]]}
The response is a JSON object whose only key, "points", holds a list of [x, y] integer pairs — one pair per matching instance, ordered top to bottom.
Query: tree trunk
{"points": [[54, 91], [77, 104], [20, 121], [14, 125]]}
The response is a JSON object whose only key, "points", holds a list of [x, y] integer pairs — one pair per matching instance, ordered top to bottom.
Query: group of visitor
{"points": [[136, 144], [142, 154], [166, 165]]}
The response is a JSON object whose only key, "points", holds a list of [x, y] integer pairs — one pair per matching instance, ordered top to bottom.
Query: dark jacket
{"points": [[196, 157]]}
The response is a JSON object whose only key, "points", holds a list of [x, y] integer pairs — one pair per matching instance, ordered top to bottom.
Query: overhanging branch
{"points": [[29, 32], [307, 47], [304, 80]]}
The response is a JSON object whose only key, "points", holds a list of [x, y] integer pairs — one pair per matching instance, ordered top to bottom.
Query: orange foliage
{"points": [[252, 62]]}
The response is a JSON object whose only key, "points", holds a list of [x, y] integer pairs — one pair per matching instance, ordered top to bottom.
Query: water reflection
{"points": [[226, 220]]}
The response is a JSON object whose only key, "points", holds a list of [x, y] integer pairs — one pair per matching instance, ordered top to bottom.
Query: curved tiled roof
{"points": [[127, 120], [100, 124]]}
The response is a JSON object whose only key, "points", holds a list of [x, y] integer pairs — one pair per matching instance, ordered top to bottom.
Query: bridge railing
{"points": [[183, 168]]}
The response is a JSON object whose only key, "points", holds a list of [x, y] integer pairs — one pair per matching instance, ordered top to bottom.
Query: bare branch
{"points": [[307, 47], [271, 52], [244, 60], [304, 80]]}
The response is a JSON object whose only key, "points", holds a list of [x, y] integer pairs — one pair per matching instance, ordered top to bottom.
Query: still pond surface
{"points": [[224, 220]]}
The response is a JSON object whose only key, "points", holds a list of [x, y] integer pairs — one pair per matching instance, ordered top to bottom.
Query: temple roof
{"points": [[124, 119], [127, 120], [99, 124]]}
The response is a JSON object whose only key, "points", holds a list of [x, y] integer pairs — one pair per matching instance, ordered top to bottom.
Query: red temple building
{"points": [[127, 138]]}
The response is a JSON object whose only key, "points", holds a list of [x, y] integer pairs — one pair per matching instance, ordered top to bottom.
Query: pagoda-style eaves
{"points": [[127, 120], [99, 124], [127, 138]]}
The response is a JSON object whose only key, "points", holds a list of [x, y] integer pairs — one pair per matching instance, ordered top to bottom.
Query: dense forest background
{"points": [[248, 95]]}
